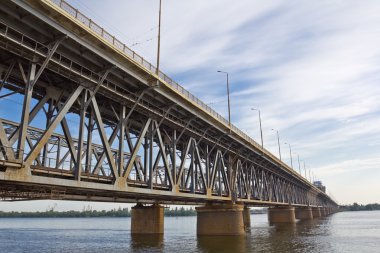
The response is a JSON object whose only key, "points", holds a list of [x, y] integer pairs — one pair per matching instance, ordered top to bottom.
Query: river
{"points": [[340, 232]]}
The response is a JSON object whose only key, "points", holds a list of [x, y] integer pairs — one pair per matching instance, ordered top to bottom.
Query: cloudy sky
{"points": [[311, 67]]}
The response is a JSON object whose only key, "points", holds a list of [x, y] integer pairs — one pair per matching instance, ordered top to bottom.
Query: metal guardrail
{"points": [[120, 46]]}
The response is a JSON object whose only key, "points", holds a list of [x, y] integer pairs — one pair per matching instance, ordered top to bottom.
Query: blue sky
{"points": [[311, 67]]}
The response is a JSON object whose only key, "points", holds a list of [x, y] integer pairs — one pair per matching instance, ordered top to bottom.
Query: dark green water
{"points": [[341, 232]]}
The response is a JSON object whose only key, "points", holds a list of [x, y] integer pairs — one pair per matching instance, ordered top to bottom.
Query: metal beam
{"points": [[46, 61], [7, 74], [25, 110], [49, 131], [103, 137], [121, 143], [136, 149], [78, 166]]}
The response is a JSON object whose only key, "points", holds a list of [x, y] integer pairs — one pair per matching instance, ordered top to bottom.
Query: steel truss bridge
{"points": [[100, 123]]}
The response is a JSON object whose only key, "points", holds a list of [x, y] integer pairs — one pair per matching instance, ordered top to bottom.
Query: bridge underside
{"points": [[81, 121]]}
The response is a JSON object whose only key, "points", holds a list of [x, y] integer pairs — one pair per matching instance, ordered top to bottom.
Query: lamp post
{"points": [[159, 40], [228, 94], [261, 129], [278, 141], [291, 158], [299, 165], [304, 168], [310, 175]]}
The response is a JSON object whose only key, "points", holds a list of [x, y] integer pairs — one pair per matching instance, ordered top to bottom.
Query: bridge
{"points": [[97, 122]]}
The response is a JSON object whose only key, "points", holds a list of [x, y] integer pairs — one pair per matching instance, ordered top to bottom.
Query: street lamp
{"points": [[158, 40], [228, 94], [261, 129], [278, 141], [291, 158], [299, 165], [304, 168]]}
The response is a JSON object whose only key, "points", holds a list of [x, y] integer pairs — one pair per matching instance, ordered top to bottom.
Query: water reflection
{"points": [[289, 237], [148, 241], [220, 244]]}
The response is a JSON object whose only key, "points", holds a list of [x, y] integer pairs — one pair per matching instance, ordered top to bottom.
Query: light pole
{"points": [[159, 40], [228, 94], [261, 129], [278, 141], [291, 158], [299, 165], [304, 168], [310, 175]]}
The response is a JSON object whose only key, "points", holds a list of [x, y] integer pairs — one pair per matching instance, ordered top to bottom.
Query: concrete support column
{"points": [[323, 211], [316, 212], [304, 213], [281, 214], [246, 217], [147, 219], [226, 219]]}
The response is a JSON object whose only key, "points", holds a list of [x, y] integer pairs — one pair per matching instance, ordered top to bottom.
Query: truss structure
{"points": [[95, 125]]}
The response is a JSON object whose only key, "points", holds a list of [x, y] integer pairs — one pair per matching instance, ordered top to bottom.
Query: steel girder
{"points": [[143, 152]]}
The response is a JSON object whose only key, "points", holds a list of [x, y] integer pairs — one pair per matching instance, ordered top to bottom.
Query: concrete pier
{"points": [[323, 211], [316, 212], [304, 213], [281, 214], [246, 217], [147, 219], [226, 219]]}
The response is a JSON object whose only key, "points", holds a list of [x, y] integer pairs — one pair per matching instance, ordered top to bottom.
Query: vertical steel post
{"points": [[25, 111], [48, 120], [90, 128], [121, 141], [174, 154], [58, 157], [146, 158], [78, 168], [192, 168], [207, 168], [220, 176], [150, 185]]}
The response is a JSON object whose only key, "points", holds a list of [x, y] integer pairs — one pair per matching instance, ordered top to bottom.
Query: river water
{"points": [[341, 232]]}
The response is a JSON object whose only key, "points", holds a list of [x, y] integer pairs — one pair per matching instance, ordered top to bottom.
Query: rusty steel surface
{"points": [[97, 123]]}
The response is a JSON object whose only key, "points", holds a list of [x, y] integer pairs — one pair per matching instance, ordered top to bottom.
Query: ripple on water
{"points": [[341, 232]]}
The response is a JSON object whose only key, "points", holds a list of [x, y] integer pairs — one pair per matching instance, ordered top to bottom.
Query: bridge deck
{"points": [[175, 147]]}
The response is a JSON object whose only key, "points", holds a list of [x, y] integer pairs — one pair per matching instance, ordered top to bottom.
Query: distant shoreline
{"points": [[357, 207], [125, 212]]}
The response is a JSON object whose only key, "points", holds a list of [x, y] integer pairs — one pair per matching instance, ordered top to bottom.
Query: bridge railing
{"points": [[153, 70]]}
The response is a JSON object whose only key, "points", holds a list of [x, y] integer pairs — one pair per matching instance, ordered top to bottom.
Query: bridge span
{"points": [[97, 122]]}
